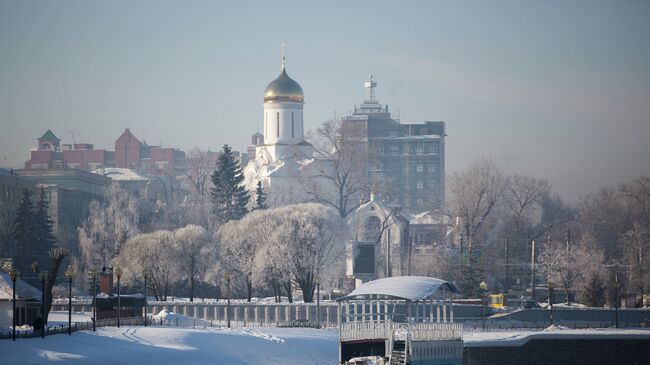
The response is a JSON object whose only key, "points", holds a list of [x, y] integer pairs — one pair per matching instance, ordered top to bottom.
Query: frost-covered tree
{"points": [[229, 195], [110, 223], [314, 236], [241, 241], [193, 250], [153, 253], [571, 266]]}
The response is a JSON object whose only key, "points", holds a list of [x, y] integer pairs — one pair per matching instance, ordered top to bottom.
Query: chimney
{"points": [[106, 281]]}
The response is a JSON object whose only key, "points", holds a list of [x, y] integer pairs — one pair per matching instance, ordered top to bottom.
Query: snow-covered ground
{"points": [[165, 345], [211, 345]]}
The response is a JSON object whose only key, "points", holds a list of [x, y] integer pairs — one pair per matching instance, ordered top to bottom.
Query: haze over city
{"points": [[556, 90]]}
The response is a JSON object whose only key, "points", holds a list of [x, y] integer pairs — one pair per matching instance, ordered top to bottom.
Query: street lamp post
{"points": [[69, 273], [118, 273], [13, 274], [145, 274], [227, 274], [93, 275], [43, 276], [549, 284], [483, 286], [616, 295], [318, 301]]}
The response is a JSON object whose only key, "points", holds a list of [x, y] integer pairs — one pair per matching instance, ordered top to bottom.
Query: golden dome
{"points": [[284, 88]]}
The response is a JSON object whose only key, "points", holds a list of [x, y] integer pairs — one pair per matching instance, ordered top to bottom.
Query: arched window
{"points": [[266, 123], [277, 124], [292, 132]]}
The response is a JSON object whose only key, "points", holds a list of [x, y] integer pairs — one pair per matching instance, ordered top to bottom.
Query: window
{"points": [[266, 122], [277, 124], [292, 131], [392, 134], [393, 148], [436, 148], [419, 168], [432, 168], [420, 185]]}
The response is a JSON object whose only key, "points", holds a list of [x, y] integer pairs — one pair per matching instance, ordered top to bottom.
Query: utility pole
{"points": [[388, 253], [460, 253], [568, 265], [532, 269], [408, 272]]}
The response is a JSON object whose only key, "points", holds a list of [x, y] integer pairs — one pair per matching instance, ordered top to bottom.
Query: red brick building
{"points": [[129, 152]]}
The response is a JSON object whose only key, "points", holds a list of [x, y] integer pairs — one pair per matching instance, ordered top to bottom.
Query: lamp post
{"points": [[69, 273], [118, 273], [13, 274], [227, 274], [93, 275], [144, 275], [43, 277], [549, 284], [483, 286], [616, 295], [318, 301]]}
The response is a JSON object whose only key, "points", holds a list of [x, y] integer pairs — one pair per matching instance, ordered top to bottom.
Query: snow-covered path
{"points": [[165, 345]]}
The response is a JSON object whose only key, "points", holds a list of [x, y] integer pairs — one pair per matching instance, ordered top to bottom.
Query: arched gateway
{"points": [[404, 319]]}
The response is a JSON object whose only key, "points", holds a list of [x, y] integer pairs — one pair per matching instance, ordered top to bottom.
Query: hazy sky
{"points": [[555, 89]]}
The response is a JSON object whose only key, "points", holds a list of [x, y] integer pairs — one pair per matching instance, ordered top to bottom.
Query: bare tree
{"points": [[199, 168], [339, 176], [474, 193]]}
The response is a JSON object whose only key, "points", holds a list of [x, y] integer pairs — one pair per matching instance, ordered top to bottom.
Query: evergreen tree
{"points": [[229, 196], [260, 199], [43, 225], [23, 234]]}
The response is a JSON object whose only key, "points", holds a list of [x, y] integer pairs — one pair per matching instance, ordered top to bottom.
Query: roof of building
{"points": [[284, 88], [49, 135], [120, 174], [411, 288], [23, 290]]}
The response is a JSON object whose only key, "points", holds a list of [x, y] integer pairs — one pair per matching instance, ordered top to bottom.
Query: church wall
{"points": [[285, 134]]}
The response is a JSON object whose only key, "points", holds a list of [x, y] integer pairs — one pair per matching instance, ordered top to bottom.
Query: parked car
{"points": [[528, 303]]}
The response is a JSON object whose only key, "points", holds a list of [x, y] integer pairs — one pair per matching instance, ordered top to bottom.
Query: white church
{"points": [[285, 158]]}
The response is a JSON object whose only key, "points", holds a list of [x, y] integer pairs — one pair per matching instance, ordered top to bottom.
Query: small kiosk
{"points": [[400, 320]]}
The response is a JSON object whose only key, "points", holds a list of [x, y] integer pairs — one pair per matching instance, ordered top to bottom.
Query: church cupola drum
{"points": [[283, 105]]}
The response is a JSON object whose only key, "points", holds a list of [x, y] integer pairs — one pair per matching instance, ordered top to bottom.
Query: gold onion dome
{"points": [[284, 88]]}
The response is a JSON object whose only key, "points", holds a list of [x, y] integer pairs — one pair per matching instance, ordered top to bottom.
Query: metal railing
{"points": [[352, 331], [436, 331]]}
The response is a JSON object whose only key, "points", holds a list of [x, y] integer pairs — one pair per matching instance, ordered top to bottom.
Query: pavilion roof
{"points": [[411, 288]]}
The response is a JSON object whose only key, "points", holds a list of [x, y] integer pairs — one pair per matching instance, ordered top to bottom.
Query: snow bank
{"points": [[164, 345]]}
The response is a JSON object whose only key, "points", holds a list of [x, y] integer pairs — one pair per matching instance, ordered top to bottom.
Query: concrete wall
{"points": [[570, 352]]}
